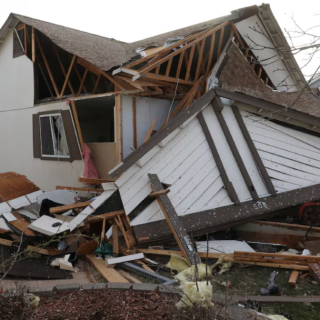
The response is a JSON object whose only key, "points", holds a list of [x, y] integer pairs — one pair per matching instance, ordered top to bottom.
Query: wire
{"points": [[175, 92]]}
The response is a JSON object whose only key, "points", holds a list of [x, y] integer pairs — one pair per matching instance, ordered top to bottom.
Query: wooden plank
{"points": [[237, 35], [213, 37], [220, 41], [33, 45], [200, 58], [190, 63], [180, 64], [47, 66], [168, 67], [67, 76], [154, 76], [82, 82], [96, 84], [216, 105], [134, 119], [76, 120], [150, 131], [254, 151], [93, 181], [227, 183], [79, 189], [159, 193], [70, 206], [109, 215], [174, 222], [21, 224], [120, 224], [103, 231], [129, 231], [115, 238], [5, 242], [48, 252], [273, 265], [109, 274], [128, 276], [293, 278]]}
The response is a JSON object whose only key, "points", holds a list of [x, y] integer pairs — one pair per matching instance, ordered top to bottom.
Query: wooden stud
{"points": [[237, 35], [213, 37], [220, 41], [33, 45], [200, 58], [190, 63], [180, 64], [47, 66], [168, 67], [63, 69], [260, 71], [67, 76], [79, 77], [267, 80], [82, 82], [96, 84], [217, 101], [134, 119], [76, 120], [117, 128], [150, 131], [254, 151], [93, 181], [159, 193], [69, 207], [107, 216], [174, 222], [120, 224], [103, 232], [129, 232], [115, 239]]}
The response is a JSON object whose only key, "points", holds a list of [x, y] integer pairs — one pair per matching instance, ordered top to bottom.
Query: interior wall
{"points": [[16, 78], [147, 109], [96, 117], [16, 140]]}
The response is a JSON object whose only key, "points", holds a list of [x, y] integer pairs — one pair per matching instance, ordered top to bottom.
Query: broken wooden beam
{"points": [[94, 181], [159, 193], [70, 207], [107, 216], [293, 278]]}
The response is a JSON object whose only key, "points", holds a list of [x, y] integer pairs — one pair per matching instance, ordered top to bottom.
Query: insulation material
{"points": [[90, 170], [178, 263], [189, 274], [203, 297]]}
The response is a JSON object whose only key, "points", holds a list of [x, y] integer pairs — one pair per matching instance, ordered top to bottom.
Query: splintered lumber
{"points": [[94, 181], [70, 207], [107, 216], [174, 221], [6, 242], [110, 274], [128, 276], [293, 278]]}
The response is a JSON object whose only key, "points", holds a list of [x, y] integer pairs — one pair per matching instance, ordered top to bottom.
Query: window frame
{"points": [[53, 136]]}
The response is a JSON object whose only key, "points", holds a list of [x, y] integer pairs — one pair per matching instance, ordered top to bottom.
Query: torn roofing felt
{"points": [[237, 75]]}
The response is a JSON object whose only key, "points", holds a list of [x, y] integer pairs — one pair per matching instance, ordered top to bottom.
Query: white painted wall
{"points": [[270, 65], [16, 78], [147, 110], [16, 141]]}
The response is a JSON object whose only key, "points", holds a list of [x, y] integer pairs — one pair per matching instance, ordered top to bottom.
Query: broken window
{"points": [[53, 136]]}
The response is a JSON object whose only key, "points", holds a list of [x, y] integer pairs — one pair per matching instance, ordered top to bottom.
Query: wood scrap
{"points": [[94, 181], [79, 189], [70, 207], [109, 215], [20, 225], [110, 274], [128, 276], [293, 278]]}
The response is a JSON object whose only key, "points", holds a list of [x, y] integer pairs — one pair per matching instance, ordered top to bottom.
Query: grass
{"points": [[249, 280]]}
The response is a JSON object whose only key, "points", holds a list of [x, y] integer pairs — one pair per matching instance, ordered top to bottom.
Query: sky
{"points": [[130, 21]]}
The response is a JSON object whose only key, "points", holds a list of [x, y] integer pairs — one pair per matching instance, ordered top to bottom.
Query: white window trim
{"points": [[53, 137]]}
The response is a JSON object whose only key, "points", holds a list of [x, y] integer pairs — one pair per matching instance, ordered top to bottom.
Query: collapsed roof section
{"points": [[222, 166]]}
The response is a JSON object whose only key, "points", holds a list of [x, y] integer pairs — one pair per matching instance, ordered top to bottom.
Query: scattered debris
{"points": [[272, 287]]}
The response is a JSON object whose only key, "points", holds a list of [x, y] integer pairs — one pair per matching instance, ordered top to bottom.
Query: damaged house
{"points": [[63, 89]]}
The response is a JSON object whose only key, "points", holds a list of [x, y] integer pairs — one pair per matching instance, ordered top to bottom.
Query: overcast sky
{"points": [[129, 20]]}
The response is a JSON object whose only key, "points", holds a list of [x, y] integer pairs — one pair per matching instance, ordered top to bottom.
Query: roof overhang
{"points": [[9, 25]]}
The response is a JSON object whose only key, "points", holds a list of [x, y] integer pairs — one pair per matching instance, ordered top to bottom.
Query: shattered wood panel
{"points": [[290, 157], [14, 185]]}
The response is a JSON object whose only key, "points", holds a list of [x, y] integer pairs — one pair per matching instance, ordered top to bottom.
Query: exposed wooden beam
{"points": [[237, 35], [213, 37], [220, 41], [33, 45], [200, 58], [180, 64], [47, 66], [168, 67], [67, 76], [80, 78], [170, 79], [82, 82], [96, 84], [216, 102], [134, 119], [76, 120], [150, 131], [254, 152], [93, 181], [227, 183], [69, 207]]}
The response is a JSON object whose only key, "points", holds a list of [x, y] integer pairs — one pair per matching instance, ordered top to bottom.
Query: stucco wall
{"points": [[16, 78]]}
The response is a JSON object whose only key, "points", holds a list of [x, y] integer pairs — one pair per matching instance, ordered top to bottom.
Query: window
{"points": [[53, 136]]}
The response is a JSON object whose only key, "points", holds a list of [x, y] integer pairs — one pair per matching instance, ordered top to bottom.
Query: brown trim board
{"points": [[216, 104], [262, 104], [163, 133], [254, 151], [227, 183], [220, 218], [174, 222]]}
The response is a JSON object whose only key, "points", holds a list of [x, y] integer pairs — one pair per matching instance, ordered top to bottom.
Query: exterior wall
{"points": [[271, 61], [16, 80], [315, 84], [147, 109], [16, 140]]}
